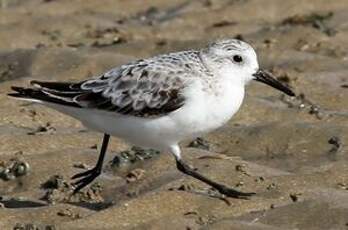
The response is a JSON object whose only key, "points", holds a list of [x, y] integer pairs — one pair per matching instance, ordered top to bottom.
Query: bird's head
{"points": [[237, 61]]}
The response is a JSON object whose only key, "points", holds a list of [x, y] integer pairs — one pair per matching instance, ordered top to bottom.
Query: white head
{"points": [[237, 61]]}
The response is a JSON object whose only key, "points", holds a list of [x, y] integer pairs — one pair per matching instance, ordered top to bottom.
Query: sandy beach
{"points": [[291, 151]]}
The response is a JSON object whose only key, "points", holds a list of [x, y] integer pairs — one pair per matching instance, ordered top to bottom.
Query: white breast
{"points": [[208, 109], [202, 112]]}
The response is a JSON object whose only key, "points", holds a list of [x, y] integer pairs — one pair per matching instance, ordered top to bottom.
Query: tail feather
{"points": [[59, 87], [24, 92], [62, 93], [40, 95]]}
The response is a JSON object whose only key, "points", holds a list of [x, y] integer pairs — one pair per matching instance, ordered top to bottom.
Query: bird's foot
{"points": [[86, 178], [229, 192]]}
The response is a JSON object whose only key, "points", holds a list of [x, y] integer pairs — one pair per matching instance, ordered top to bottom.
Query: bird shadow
{"points": [[15, 203]]}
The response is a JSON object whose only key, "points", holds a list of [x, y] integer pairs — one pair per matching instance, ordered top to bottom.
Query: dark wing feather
{"points": [[61, 87], [135, 90], [33, 93]]}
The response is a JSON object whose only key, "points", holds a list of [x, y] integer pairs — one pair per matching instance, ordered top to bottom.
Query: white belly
{"points": [[205, 111], [201, 113]]}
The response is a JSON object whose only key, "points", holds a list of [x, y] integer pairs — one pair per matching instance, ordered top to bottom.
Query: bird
{"points": [[160, 101]]}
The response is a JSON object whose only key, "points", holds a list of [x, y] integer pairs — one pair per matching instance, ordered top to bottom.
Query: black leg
{"points": [[89, 175], [220, 187]]}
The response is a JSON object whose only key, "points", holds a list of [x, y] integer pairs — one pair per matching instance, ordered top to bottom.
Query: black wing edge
{"points": [[61, 87], [54, 92], [70, 94]]}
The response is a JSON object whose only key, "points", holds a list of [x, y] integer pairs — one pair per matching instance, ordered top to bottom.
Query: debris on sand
{"points": [[153, 15], [307, 19], [316, 20], [223, 23], [52, 35], [106, 37], [239, 37], [107, 42], [269, 42], [326, 48], [6, 71], [283, 75], [302, 103], [30, 112], [43, 129], [199, 143], [336, 144], [135, 154], [81, 166], [13, 168], [242, 168], [135, 175], [54, 182], [342, 185], [272, 186], [187, 187], [60, 191], [210, 192], [295, 196], [69, 213], [201, 219], [32, 226]]}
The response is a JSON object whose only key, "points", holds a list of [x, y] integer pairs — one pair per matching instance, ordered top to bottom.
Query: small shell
{"points": [[21, 169], [7, 175]]}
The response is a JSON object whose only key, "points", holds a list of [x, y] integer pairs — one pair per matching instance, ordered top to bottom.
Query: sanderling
{"points": [[159, 101]]}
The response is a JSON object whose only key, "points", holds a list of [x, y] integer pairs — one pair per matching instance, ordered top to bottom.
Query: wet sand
{"points": [[290, 151]]}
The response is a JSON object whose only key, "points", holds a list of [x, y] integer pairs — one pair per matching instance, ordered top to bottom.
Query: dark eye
{"points": [[237, 58]]}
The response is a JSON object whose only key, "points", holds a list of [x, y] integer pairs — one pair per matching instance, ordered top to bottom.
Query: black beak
{"points": [[268, 79]]}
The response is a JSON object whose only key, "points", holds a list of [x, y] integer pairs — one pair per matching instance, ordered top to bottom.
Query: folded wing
{"points": [[136, 90]]}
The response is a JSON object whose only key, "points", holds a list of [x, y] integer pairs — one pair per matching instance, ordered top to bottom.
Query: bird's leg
{"points": [[183, 167], [88, 176]]}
